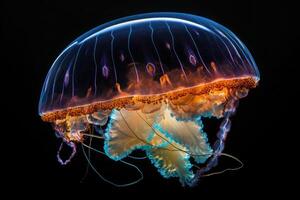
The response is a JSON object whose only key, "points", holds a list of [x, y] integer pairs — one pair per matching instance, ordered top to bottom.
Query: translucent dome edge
{"points": [[194, 20]]}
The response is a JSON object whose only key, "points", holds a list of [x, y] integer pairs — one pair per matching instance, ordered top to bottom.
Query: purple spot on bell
{"points": [[168, 45], [122, 57], [192, 59], [150, 68], [105, 71], [67, 78]]}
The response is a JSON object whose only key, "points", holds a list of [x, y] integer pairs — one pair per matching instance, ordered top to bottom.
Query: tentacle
{"points": [[93, 136], [220, 143], [70, 144], [89, 157], [137, 158], [227, 169], [105, 179]]}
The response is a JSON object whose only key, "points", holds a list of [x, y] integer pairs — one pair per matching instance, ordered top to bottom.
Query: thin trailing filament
{"points": [[241, 165], [105, 179]]}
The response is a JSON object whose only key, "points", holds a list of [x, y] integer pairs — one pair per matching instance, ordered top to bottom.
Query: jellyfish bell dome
{"points": [[144, 55], [145, 82]]}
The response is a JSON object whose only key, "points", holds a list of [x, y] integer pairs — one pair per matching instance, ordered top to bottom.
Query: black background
{"points": [[34, 33]]}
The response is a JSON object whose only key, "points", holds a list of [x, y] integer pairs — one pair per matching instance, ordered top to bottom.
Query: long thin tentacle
{"points": [[89, 157], [227, 169], [105, 179]]}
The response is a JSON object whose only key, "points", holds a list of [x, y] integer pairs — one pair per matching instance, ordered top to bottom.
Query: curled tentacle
{"points": [[70, 144]]}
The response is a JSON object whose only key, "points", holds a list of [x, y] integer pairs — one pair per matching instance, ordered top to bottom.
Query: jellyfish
{"points": [[146, 83]]}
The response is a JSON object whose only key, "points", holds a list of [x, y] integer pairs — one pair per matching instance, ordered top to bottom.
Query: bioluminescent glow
{"points": [[145, 83]]}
